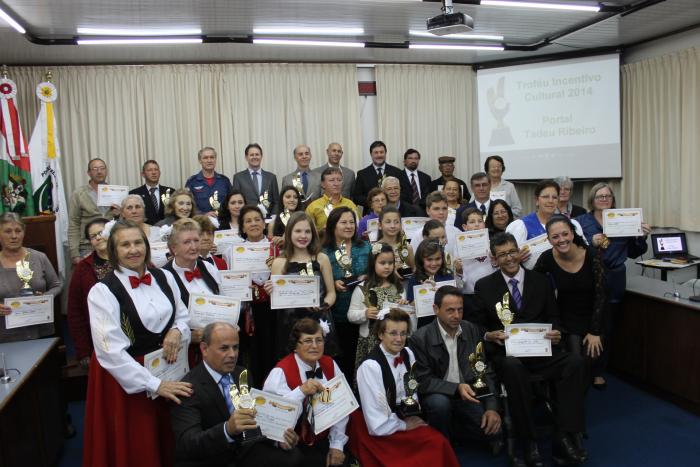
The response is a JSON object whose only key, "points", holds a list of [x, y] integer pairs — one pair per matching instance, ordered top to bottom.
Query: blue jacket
{"points": [[202, 191]]}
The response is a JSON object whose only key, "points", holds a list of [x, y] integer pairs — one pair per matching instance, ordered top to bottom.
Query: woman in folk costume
{"points": [[134, 310], [299, 376], [379, 435]]}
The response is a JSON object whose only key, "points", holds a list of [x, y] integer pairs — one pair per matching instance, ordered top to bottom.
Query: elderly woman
{"points": [[494, 167], [376, 200], [180, 206], [566, 206], [134, 210], [206, 242], [615, 252], [87, 272], [44, 279], [299, 376], [139, 430]]}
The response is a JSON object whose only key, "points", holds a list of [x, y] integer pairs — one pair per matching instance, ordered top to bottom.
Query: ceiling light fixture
{"points": [[544, 6], [9, 20], [311, 31], [139, 32], [474, 37], [159, 41], [304, 42], [455, 47]]}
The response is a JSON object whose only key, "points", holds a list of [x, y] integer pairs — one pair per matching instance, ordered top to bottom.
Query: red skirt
{"points": [[124, 430], [416, 448]]}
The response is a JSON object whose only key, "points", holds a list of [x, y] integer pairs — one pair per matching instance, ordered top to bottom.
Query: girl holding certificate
{"points": [[290, 203], [179, 206], [230, 210], [435, 230], [391, 233], [614, 252], [302, 255], [430, 267], [578, 277], [382, 286], [134, 310], [300, 375], [379, 437]]}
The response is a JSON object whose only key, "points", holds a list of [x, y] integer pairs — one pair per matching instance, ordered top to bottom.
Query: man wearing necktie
{"points": [[372, 175], [309, 181], [254, 182], [415, 184], [481, 187], [152, 192], [531, 300], [207, 427]]}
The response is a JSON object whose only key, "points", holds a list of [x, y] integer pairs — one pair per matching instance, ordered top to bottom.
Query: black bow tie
{"points": [[317, 373]]}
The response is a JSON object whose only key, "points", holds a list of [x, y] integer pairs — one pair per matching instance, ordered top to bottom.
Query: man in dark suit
{"points": [[334, 152], [446, 166], [372, 175], [415, 185], [259, 187], [481, 187], [392, 188], [152, 193], [531, 301], [445, 379], [206, 426]]}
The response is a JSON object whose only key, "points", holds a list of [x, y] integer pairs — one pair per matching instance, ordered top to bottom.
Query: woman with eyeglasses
{"points": [[566, 206], [498, 217], [533, 225], [614, 252], [299, 376], [380, 435]]}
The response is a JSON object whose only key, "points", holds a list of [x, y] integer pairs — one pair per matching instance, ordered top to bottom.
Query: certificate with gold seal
{"points": [[108, 195], [622, 222], [411, 225], [225, 238], [472, 244], [537, 246], [250, 257], [236, 285], [292, 291], [424, 296], [205, 309], [29, 311], [527, 340], [156, 364], [334, 403], [274, 414]]}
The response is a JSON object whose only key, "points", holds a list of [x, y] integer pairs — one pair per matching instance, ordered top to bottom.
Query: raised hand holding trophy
{"points": [[477, 362], [241, 399], [409, 407]]}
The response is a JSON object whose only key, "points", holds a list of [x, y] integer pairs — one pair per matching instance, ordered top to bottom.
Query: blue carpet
{"points": [[626, 427]]}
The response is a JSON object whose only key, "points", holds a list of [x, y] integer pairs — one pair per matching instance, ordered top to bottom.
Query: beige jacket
{"points": [[81, 210]]}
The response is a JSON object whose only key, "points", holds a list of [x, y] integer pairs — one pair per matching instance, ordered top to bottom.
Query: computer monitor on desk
{"points": [[670, 246]]}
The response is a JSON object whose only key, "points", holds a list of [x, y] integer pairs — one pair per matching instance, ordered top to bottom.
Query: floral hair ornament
{"points": [[107, 229], [165, 232], [377, 248], [383, 313], [325, 327]]}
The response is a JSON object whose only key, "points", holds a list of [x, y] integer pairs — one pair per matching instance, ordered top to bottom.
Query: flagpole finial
{"points": [[3, 73], [48, 76]]}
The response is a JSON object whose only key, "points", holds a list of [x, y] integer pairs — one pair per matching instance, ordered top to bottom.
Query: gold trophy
{"points": [[296, 181], [165, 197], [264, 200], [214, 201], [329, 207], [284, 217], [605, 242], [345, 262], [308, 269], [404, 271], [25, 274], [503, 310], [477, 362], [241, 399], [409, 407]]}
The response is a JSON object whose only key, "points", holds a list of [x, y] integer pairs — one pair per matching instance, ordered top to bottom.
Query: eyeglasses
{"points": [[603, 197], [94, 236], [509, 254], [401, 334], [309, 342]]}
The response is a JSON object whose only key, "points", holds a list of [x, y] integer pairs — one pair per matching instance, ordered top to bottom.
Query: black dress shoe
{"points": [[600, 386], [577, 439], [564, 452], [532, 455]]}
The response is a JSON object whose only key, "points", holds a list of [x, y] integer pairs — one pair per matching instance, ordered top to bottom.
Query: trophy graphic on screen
{"points": [[499, 107]]}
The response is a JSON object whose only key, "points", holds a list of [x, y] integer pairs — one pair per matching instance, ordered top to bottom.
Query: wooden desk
{"points": [[666, 266], [656, 341], [31, 411]]}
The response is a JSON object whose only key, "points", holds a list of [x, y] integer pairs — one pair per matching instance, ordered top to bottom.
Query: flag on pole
{"points": [[45, 153], [15, 176]]}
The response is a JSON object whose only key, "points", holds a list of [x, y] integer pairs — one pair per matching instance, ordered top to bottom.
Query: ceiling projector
{"points": [[450, 23]]}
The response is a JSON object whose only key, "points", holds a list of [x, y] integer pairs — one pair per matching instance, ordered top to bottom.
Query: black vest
{"points": [[208, 279], [142, 340], [387, 376]]}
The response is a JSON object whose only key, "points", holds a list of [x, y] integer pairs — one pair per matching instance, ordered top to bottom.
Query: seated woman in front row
{"points": [[378, 435]]}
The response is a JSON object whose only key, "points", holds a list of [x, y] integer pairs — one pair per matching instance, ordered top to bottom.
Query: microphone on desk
{"points": [[5, 378]]}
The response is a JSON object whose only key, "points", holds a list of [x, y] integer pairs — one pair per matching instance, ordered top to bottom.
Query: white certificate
{"points": [[108, 195], [494, 195], [622, 222], [373, 225], [411, 225], [224, 238], [472, 244], [537, 246], [159, 253], [249, 257], [236, 285], [294, 292], [424, 296], [205, 309], [29, 311], [527, 340], [161, 369], [333, 404], [274, 414]]}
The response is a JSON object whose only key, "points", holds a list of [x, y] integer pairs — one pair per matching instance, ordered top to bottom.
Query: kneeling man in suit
{"points": [[207, 428]]}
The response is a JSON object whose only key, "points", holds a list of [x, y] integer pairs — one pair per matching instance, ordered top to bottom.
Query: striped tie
{"points": [[516, 293]]}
